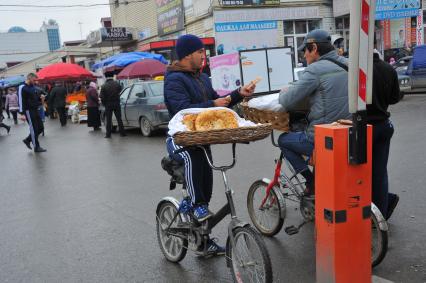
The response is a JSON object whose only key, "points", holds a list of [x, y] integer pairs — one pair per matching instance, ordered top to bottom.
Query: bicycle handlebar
{"points": [[209, 161]]}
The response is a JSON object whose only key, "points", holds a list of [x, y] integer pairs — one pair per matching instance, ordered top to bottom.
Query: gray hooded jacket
{"points": [[324, 85]]}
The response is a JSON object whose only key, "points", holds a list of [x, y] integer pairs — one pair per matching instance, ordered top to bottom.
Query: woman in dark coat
{"points": [[92, 97]]}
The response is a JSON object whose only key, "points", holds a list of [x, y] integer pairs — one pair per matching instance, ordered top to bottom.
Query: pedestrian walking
{"points": [[385, 92], [110, 97], [3, 98], [92, 98], [58, 101], [12, 103], [29, 103], [3, 125]]}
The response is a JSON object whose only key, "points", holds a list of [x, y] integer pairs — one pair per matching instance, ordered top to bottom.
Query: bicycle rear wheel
{"points": [[269, 218], [379, 238], [173, 247], [249, 257]]}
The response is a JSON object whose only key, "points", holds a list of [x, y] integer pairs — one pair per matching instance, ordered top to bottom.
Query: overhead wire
{"points": [[73, 5]]}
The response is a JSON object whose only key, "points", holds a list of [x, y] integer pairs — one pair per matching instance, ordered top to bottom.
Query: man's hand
{"points": [[247, 90], [223, 102]]}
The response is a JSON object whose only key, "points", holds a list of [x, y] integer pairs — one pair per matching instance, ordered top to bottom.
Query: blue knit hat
{"points": [[187, 44]]}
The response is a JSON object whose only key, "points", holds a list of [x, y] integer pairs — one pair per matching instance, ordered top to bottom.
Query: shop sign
{"points": [[249, 2], [395, 9], [262, 14], [170, 16], [419, 28], [116, 34], [386, 34], [236, 36], [225, 70]]}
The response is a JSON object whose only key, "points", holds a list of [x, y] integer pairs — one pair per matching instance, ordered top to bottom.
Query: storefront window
{"points": [[339, 23], [346, 23], [314, 24], [300, 26], [288, 27], [342, 27], [295, 32]]}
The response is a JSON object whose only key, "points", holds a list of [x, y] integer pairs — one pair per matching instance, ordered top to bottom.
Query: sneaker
{"points": [[8, 129], [107, 137], [27, 143], [39, 149], [392, 205], [201, 212], [212, 249]]}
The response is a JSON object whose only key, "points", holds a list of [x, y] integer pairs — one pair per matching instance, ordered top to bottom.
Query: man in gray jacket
{"points": [[324, 86]]}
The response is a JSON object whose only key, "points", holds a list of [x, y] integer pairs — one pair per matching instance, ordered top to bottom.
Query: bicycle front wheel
{"points": [[269, 217], [173, 247], [249, 257]]}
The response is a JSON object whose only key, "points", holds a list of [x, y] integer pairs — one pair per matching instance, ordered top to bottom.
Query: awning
{"points": [[121, 60]]}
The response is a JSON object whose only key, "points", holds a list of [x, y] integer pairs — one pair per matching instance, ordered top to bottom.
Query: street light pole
{"points": [[81, 31]]}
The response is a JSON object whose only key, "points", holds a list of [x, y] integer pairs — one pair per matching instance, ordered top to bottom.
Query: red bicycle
{"points": [[266, 203]]}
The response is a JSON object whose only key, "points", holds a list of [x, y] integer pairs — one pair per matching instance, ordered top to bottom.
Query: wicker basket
{"points": [[280, 120], [238, 135]]}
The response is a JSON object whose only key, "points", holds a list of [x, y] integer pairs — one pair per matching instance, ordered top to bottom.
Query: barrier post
{"points": [[343, 168], [342, 208]]}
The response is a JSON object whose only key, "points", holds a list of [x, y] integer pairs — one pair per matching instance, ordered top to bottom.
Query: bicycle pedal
{"points": [[291, 230]]}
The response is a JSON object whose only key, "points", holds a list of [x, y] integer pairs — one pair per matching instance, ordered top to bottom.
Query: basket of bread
{"points": [[266, 109], [217, 125]]}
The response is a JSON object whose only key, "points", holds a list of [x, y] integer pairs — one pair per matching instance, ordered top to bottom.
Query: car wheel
{"points": [[146, 127]]}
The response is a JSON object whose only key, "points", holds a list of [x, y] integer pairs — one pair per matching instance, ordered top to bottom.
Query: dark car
{"points": [[415, 68], [142, 106]]}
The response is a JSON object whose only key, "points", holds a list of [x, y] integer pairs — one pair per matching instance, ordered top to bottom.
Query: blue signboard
{"points": [[394, 9]]}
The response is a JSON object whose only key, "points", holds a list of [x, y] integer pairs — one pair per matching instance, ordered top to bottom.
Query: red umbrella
{"points": [[145, 68], [64, 71]]}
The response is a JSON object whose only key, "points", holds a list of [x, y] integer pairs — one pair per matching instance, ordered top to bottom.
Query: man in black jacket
{"points": [[385, 92], [110, 97], [58, 101], [29, 103]]}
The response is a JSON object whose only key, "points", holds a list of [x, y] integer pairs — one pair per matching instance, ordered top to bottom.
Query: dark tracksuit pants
{"points": [[62, 112], [108, 114], [36, 126], [382, 134], [198, 174]]}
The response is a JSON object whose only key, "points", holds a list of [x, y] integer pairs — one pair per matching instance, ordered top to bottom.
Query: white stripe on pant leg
{"points": [[30, 123], [188, 171]]}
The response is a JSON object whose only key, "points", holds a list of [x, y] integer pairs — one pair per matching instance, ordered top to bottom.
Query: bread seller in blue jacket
{"points": [[186, 87]]}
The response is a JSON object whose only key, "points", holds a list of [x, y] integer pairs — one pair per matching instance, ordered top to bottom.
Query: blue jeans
{"points": [[293, 146]]}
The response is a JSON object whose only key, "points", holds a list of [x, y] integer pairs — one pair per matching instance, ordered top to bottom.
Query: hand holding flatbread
{"points": [[248, 90]]}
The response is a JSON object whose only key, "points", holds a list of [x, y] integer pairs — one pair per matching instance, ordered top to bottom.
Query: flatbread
{"points": [[215, 120], [189, 121]]}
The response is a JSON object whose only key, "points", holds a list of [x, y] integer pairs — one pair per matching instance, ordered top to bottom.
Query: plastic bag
{"points": [[266, 102]]}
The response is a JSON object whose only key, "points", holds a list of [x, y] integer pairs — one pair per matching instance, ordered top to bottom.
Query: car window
{"points": [[157, 89], [137, 92], [124, 95]]}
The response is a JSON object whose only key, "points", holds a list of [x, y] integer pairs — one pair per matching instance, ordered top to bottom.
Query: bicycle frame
{"points": [[280, 178], [228, 208]]}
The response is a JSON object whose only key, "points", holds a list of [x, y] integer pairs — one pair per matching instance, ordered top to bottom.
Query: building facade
{"points": [[231, 25], [52, 30], [18, 45]]}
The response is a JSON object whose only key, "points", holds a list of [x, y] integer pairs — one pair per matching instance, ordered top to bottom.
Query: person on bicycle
{"points": [[324, 86], [186, 87]]}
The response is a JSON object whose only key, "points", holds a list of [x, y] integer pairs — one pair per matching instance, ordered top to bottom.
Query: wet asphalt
{"points": [[85, 210]]}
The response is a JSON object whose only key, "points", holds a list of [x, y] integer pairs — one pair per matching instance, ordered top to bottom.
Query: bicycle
{"points": [[266, 203], [178, 230]]}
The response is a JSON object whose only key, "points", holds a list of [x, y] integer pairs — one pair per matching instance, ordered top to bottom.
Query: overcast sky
{"points": [[68, 18]]}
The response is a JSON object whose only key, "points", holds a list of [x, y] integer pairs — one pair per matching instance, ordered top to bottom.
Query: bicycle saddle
{"points": [[174, 168]]}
